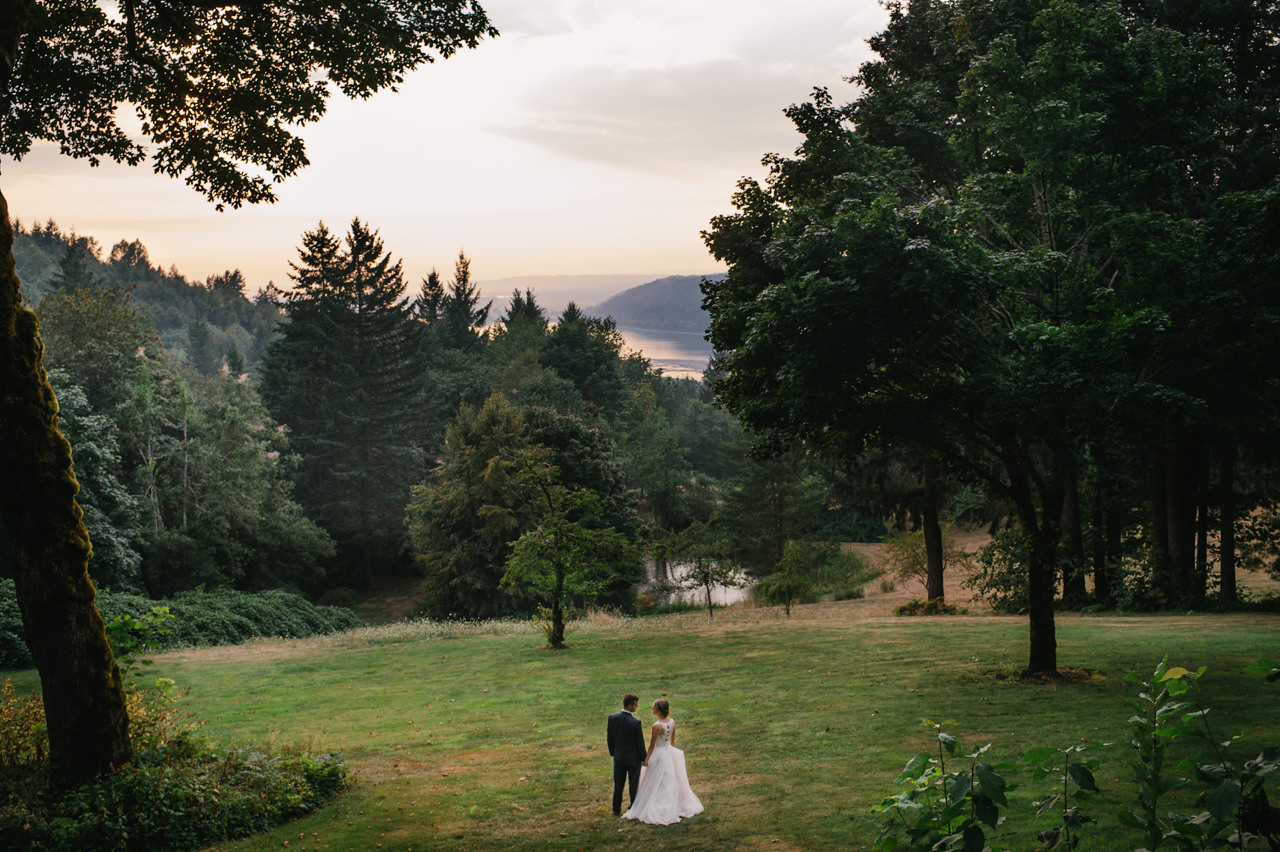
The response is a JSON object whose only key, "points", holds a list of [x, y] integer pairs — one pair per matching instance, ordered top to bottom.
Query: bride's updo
{"points": [[662, 707]]}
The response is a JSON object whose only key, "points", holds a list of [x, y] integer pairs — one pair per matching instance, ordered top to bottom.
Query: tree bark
{"points": [[1180, 508], [1227, 509], [1043, 529], [932, 530], [1073, 572], [1163, 574], [1200, 575], [82, 688]]}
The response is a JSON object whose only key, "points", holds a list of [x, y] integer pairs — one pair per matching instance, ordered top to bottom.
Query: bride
{"points": [[664, 795]]}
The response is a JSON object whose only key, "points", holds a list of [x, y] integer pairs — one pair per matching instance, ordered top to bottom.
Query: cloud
{"points": [[678, 89], [671, 121]]}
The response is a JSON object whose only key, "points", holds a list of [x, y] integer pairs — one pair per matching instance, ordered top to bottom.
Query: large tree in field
{"points": [[219, 86], [989, 255], [346, 377]]}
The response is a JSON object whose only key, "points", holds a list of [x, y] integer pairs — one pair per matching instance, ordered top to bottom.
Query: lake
{"points": [[678, 354]]}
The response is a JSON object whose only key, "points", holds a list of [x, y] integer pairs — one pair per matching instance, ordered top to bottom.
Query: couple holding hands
{"points": [[658, 780]]}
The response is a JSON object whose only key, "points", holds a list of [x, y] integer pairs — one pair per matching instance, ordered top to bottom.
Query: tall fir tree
{"points": [[346, 376]]}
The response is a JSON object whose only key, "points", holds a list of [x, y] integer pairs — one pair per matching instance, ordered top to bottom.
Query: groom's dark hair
{"points": [[629, 699]]}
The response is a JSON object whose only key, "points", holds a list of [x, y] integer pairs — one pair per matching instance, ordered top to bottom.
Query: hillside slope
{"points": [[671, 304]]}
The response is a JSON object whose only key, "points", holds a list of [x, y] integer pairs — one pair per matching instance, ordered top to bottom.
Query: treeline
{"points": [[203, 324], [394, 430]]}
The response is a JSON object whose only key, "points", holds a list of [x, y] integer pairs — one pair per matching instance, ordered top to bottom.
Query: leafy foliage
{"points": [[1017, 219], [905, 551], [788, 584], [196, 619], [1233, 791], [181, 793], [952, 799]]}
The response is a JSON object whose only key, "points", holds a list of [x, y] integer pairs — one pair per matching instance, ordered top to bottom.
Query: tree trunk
{"points": [[1180, 508], [1227, 509], [1042, 529], [932, 533], [1073, 571], [1163, 575], [1200, 576], [83, 693]]}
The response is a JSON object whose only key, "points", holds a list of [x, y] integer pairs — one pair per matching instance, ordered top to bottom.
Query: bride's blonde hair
{"points": [[663, 707]]}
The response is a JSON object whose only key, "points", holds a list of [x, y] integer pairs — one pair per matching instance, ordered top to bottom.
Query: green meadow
{"points": [[476, 737]]}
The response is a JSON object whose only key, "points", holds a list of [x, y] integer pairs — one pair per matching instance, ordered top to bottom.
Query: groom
{"points": [[626, 746]]}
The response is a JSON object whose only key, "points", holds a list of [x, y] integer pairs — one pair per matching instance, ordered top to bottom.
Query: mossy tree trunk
{"points": [[83, 692]]}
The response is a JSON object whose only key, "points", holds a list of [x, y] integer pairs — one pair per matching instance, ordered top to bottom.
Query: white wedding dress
{"points": [[664, 795]]}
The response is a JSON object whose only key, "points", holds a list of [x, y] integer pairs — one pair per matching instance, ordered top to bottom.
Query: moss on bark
{"points": [[82, 688]]}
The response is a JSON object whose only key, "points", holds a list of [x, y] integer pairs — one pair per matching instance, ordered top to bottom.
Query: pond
{"points": [[720, 595]]}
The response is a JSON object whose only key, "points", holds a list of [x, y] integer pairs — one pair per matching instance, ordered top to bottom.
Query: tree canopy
{"points": [[1007, 251]]}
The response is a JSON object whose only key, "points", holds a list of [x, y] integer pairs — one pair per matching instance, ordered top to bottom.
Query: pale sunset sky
{"points": [[592, 137]]}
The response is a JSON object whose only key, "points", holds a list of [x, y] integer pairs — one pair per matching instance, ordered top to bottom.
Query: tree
{"points": [[218, 86], [999, 238], [74, 270], [461, 316], [588, 351], [345, 376], [463, 518], [568, 555], [703, 555], [788, 584]]}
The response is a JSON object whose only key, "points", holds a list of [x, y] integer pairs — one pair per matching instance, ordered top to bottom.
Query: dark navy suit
{"points": [[626, 746]]}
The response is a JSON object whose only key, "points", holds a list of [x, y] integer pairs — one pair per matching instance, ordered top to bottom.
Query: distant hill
{"points": [[555, 292], [672, 304]]}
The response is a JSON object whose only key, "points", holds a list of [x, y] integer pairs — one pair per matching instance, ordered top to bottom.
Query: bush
{"points": [[907, 554], [832, 573], [1000, 575], [938, 606], [200, 619], [180, 792]]}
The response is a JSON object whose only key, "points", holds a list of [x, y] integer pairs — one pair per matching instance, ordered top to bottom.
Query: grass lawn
{"points": [[793, 728]]}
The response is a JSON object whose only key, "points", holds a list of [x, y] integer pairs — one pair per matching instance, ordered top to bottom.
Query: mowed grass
{"points": [[793, 727]]}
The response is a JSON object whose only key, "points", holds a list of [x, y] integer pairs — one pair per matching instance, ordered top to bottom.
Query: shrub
{"points": [[907, 554], [1000, 575], [938, 606], [222, 617], [180, 792], [949, 805]]}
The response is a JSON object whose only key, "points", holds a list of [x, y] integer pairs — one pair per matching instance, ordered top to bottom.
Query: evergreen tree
{"points": [[75, 271], [461, 316], [345, 375], [464, 518]]}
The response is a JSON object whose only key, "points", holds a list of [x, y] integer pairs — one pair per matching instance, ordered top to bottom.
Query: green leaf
{"points": [[1269, 669], [948, 741], [1083, 778], [993, 783], [1223, 799], [974, 839]]}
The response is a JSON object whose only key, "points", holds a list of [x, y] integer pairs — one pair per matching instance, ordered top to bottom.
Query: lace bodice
{"points": [[665, 727]]}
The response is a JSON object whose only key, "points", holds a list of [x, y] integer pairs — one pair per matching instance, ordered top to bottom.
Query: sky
{"points": [[591, 138]]}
